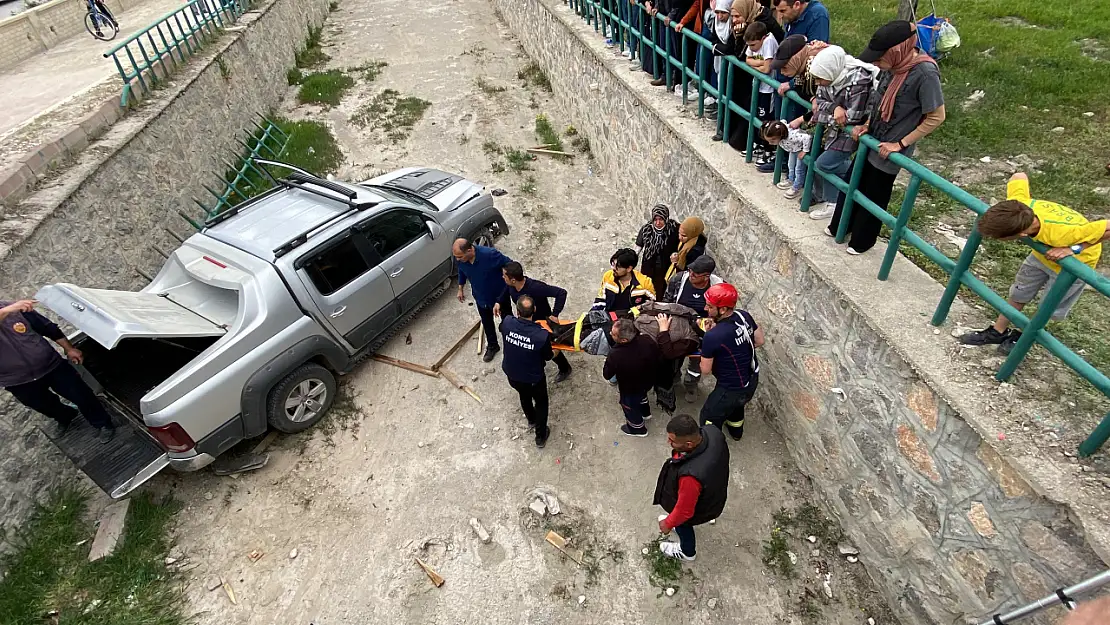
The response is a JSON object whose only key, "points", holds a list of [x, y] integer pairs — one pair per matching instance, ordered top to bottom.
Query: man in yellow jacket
{"points": [[622, 287]]}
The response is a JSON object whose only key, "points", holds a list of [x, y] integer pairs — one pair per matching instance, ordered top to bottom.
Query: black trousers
{"points": [[738, 129], [876, 185], [489, 326], [561, 361], [42, 396], [533, 401], [725, 408]]}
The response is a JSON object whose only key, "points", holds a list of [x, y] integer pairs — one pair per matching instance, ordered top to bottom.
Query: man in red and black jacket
{"points": [[693, 483]]}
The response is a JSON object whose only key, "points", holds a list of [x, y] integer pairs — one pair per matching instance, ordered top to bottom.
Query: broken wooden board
{"points": [[548, 152], [458, 344], [404, 364], [454, 379], [110, 531], [560, 543], [436, 578]]}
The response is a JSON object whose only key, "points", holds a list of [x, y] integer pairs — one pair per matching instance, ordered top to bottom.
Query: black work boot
{"points": [[491, 351]]}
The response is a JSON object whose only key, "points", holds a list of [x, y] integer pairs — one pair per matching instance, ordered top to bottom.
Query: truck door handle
{"points": [[396, 272], [338, 312]]}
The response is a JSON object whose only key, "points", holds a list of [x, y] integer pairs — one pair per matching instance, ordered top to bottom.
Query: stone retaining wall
{"points": [[97, 223], [951, 525]]}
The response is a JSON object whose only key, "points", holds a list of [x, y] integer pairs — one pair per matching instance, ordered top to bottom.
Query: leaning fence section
{"points": [[630, 26], [148, 57], [241, 178]]}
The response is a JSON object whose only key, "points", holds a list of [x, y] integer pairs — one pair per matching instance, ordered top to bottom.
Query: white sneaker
{"points": [[627, 54], [710, 100], [785, 184], [791, 193], [823, 212], [829, 232], [852, 251], [674, 550]]}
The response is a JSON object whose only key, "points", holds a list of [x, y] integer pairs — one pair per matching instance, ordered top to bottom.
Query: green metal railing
{"points": [[623, 21], [170, 40], [244, 179]]}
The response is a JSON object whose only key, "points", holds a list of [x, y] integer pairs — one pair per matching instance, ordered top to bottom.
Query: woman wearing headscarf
{"points": [[743, 13], [844, 84], [909, 106], [658, 239], [691, 245]]}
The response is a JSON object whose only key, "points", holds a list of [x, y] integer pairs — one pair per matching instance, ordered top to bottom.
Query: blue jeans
{"points": [[705, 60], [837, 163], [798, 170], [686, 539]]}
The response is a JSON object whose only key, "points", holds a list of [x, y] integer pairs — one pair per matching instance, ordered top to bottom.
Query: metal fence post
{"points": [[703, 69], [728, 100], [751, 118], [779, 152], [811, 170], [850, 195], [904, 214], [963, 263], [1044, 312], [1097, 438]]}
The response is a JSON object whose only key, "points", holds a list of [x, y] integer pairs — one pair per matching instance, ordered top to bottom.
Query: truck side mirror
{"points": [[435, 229]]}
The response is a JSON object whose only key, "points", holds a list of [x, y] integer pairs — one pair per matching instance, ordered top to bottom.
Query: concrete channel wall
{"points": [[96, 224], [951, 526]]}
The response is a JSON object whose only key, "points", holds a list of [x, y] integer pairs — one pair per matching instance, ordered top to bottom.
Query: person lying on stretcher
{"points": [[590, 332]]}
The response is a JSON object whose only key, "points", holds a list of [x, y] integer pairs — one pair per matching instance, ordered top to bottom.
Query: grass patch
{"points": [[313, 54], [1040, 66], [369, 71], [294, 76], [533, 76], [326, 88], [489, 89], [391, 113], [547, 134], [582, 144], [311, 146], [518, 160], [529, 186], [808, 520], [776, 554], [663, 571], [48, 572], [808, 608]]}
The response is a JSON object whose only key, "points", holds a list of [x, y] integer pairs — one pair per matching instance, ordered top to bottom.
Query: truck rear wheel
{"points": [[483, 237], [301, 398]]}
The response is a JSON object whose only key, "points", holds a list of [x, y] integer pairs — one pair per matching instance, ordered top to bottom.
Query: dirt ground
{"points": [[406, 460]]}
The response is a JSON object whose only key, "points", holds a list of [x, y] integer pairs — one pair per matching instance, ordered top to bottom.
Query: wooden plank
{"points": [[548, 152], [458, 344], [404, 364], [454, 379], [110, 532], [560, 543], [436, 578]]}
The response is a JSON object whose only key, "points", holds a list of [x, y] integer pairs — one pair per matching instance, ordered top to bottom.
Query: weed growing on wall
{"points": [[313, 54], [533, 76]]}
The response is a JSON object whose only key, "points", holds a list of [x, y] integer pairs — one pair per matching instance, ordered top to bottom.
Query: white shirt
{"points": [[766, 51]]}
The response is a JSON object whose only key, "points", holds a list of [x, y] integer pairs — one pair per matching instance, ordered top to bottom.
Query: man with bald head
{"points": [[481, 266]]}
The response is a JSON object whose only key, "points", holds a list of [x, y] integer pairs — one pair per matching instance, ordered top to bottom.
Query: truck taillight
{"points": [[172, 437]]}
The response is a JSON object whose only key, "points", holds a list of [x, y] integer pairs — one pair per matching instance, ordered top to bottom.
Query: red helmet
{"points": [[722, 295]]}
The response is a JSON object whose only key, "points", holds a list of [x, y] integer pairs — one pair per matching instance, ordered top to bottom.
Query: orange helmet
{"points": [[722, 295]]}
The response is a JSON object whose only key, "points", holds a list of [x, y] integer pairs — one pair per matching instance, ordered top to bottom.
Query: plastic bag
{"points": [[948, 38]]}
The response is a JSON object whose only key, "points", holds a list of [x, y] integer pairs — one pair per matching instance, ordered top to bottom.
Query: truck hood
{"points": [[446, 191], [108, 317]]}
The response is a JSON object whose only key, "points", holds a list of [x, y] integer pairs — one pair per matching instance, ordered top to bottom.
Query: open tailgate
{"points": [[111, 316], [122, 464]]}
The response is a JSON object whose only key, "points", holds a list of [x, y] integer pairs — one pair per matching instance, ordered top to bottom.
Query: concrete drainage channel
{"points": [[944, 523]]}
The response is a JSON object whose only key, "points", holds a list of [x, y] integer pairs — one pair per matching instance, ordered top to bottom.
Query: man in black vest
{"points": [[527, 349], [693, 484]]}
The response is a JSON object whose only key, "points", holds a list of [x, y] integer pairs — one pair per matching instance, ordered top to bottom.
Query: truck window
{"points": [[395, 230], [336, 267]]}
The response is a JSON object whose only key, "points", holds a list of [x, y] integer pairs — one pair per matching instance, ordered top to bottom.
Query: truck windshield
{"points": [[400, 195]]}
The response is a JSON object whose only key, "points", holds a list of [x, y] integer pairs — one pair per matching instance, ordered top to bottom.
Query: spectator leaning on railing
{"points": [[744, 13], [809, 19], [844, 84], [909, 104], [1065, 231]]}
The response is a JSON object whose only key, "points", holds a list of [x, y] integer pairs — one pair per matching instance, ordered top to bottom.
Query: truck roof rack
{"points": [[301, 180]]}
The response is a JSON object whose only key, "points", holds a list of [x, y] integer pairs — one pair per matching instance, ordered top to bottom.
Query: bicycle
{"points": [[98, 19]]}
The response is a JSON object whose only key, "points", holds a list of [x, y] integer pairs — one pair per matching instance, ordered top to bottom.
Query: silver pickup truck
{"points": [[249, 322]]}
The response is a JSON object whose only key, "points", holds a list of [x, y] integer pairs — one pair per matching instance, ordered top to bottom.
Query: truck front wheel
{"points": [[301, 398]]}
